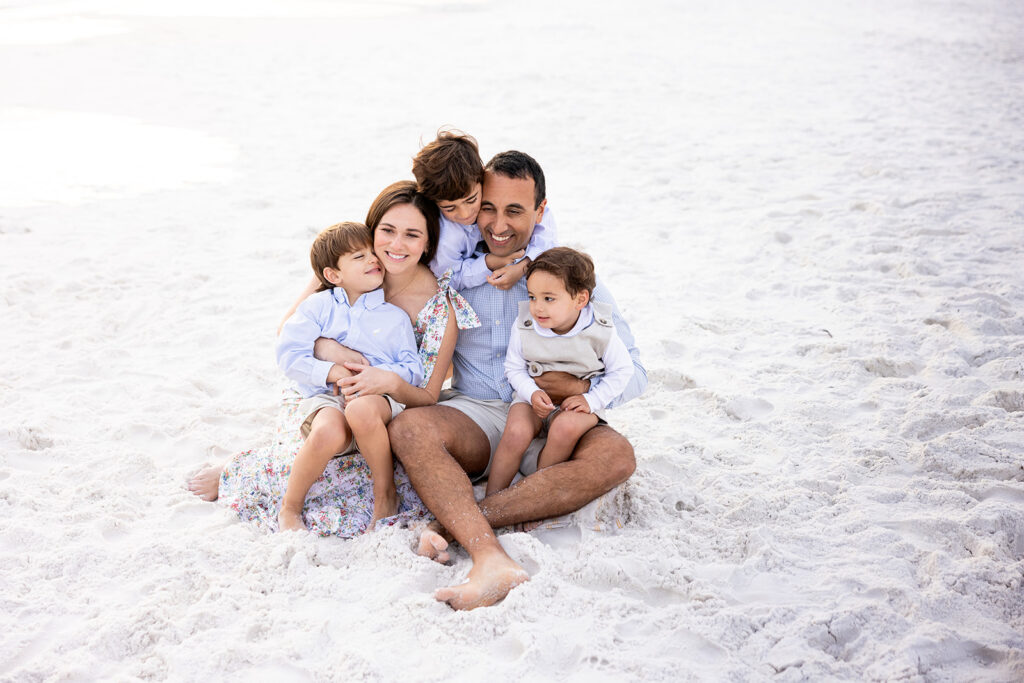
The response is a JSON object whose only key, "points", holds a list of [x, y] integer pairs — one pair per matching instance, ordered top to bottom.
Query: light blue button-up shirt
{"points": [[378, 330], [479, 360]]}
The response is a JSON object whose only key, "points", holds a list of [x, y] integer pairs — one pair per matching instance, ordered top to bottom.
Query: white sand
{"points": [[814, 219]]}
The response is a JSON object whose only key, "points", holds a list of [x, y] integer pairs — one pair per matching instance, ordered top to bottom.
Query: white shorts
{"points": [[309, 407]]}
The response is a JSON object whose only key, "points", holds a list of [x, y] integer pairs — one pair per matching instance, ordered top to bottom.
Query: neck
{"points": [[397, 282], [352, 295], [567, 328]]}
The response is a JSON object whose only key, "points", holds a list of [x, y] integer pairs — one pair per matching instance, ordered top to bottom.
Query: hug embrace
{"points": [[537, 351]]}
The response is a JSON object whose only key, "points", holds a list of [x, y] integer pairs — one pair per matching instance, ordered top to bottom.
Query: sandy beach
{"points": [[811, 214]]}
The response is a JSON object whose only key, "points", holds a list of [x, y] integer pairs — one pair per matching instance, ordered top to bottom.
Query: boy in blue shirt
{"points": [[450, 172], [350, 308]]}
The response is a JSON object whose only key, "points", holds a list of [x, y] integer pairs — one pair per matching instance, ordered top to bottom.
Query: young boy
{"points": [[450, 172], [348, 307], [558, 328]]}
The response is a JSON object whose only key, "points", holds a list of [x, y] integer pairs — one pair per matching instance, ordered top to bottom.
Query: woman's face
{"points": [[401, 238]]}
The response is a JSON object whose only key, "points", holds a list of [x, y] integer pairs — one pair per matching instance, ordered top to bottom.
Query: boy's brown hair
{"points": [[448, 168], [334, 242], [574, 268]]}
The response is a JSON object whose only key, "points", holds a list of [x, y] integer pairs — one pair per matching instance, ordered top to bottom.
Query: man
{"points": [[442, 446]]}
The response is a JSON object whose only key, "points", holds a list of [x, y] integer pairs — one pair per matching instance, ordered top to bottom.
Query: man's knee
{"points": [[616, 453], [624, 463]]}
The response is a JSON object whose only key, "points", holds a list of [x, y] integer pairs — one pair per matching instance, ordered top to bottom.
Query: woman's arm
{"points": [[311, 288], [371, 380]]}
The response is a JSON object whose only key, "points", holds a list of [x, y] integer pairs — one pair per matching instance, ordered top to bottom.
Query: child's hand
{"points": [[495, 262], [504, 278], [576, 404], [542, 405]]}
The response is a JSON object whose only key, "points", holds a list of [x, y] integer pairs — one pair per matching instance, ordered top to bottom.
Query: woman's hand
{"points": [[329, 349], [367, 379]]}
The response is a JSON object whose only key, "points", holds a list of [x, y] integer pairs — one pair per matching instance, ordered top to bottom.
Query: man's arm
{"points": [[311, 288], [618, 371], [638, 382]]}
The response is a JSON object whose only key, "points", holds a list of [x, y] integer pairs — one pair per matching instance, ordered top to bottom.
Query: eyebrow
{"points": [[392, 225]]}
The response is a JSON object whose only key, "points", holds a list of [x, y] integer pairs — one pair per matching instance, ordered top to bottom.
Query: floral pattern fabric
{"points": [[340, 502]]}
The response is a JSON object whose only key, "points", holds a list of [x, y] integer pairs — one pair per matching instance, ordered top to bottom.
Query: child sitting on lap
{"points": [[450, 172], [350, 308], [558, 329]]}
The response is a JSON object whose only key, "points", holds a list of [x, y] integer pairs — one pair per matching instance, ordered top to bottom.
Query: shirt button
{"points": [[497, 322]]}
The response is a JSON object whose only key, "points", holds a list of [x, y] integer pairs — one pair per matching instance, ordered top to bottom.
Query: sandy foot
{"points": [[206, 482], [289, 520], [432, 544], [490, 580]]}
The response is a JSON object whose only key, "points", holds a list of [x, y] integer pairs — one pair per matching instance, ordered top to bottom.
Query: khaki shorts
{"points": [[308, 408], [490, 415]]}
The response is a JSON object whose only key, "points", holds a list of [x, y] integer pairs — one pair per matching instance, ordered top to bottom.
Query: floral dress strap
{"points": [[465, 316], [432, 322]]}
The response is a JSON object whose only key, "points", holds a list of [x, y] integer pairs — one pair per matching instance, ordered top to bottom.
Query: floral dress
{"points": [[340, 502]]}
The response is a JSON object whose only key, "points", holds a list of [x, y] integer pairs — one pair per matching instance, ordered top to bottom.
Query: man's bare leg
{"points": [[437, 445], [603, 459]]}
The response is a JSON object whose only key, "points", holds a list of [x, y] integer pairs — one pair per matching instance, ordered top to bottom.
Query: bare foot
{"points": [[206, 482], [385, 504], [289, 520], [528, 526], [433, 544], [490, 580]]}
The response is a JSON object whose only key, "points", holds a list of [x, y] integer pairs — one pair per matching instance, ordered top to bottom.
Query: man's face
{"points": [[507, 215]]}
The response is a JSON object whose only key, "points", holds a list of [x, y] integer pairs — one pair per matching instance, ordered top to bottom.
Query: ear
{"points": [[540, 211], [332, 276], [581, 300]]}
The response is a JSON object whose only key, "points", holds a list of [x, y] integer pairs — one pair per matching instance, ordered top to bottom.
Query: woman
{"points": [[405, 235]]}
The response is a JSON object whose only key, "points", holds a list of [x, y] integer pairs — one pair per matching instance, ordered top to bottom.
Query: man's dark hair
{"points": [[513, 164], [574, 268]]}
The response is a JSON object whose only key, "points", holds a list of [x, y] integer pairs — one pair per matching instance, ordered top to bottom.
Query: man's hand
{"points": [[496, 262], [504, 278], [329, 349], [561, 385], [542, 404], [576, 404]]}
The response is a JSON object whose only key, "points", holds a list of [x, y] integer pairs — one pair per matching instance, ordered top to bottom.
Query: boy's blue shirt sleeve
{"points": [[545, 236], [454, 246], [294, 351], [404, 358], [638, 383]]}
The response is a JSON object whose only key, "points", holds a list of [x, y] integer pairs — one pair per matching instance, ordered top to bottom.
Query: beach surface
{"points": [[812, 216]]}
